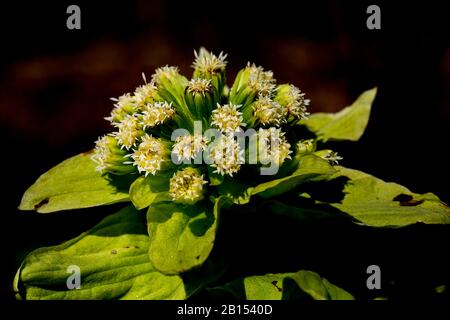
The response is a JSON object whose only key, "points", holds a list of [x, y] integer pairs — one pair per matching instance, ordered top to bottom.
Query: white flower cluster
{"points": [[208, 63], [199, 85], [269, 112], [156, 113], [227, 118], [145, 120], [273, 146], [187, 147], [150, 155], [226, 155], [186, 186]]}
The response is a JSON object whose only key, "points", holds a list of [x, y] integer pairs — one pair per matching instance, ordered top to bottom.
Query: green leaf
{"points": [[347, 124], [310, 167], [73, 184], [147, 190], [381, 204], [181, 237], [112, 258], [302, 284], [319, 288]]}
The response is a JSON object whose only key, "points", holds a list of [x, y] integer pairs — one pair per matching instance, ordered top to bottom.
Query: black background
{"points": [[56, 83]]}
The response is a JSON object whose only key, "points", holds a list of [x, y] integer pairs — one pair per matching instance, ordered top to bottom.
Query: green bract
{"points": [[181, 153]]}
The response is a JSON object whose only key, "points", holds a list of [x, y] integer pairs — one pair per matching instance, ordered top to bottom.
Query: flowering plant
{"points": [[188, 152]]}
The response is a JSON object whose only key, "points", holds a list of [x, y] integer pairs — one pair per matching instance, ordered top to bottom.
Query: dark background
{"points": [[56, 84]]}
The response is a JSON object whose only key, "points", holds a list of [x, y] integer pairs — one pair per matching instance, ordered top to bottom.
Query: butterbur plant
{"points": [[183, 153]]}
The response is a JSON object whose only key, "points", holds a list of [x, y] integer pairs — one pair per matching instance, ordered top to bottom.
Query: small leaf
{"points": [[347, 124], [310, 167], [73, 184], [147, 190], [381, 204], [181, 237], [113, 261], [302, 284]]}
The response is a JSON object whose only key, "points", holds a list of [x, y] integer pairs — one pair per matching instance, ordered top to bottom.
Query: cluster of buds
{"points": [[142, 142]]}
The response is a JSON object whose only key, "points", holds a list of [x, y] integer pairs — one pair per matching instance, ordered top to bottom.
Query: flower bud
{"points": [[211, 67], [251, 82], [171, 86], [145, 94], [199, 97], [294, 100], [123, 106], [269, 112], [156, 113], [227, 118], [129, 131], [272, 146], [306, 146], [187, 147], [152, 155], [225, 155], [331, 156], [110, 157], [186, 186]]}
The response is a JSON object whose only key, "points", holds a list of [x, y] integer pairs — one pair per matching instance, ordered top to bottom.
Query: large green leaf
{"points": [[347, 124], [73, 184], [147, 190], [377, 203], [181, 237], [113, 261], [302, 284]]}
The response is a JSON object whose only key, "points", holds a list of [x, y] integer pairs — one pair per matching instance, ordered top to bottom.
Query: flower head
{"points": [[208, 63], [164, 72], [260, 80], [199, 86], [145, 94], [200, 96], [294, 100], [124, 105], [269, 112], [156, 113], [227, 118], [129, 130], [273, 146], [304, 146], [187, 147], [151, 155], [226, 155], [331, 156], [109, 157], [186, 186]]}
